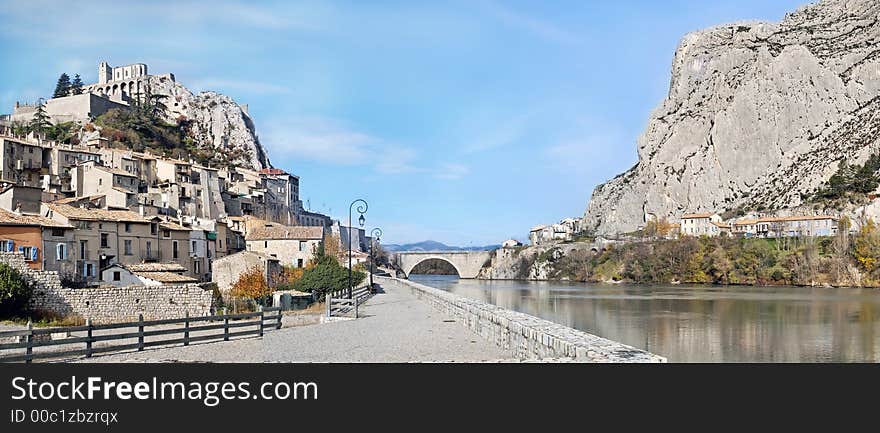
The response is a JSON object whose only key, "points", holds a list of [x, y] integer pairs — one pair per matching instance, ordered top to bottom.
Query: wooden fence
{"points": [[338, 303], [225, 331]]}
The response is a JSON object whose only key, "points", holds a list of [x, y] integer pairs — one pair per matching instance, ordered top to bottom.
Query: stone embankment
{"points": [[527, 336]]}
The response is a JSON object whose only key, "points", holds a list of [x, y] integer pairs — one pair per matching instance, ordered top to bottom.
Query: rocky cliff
{"points": [[758, 116], [218, 123]]}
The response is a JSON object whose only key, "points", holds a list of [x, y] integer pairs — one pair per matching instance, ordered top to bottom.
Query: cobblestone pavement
{"points": [[395, 326]]}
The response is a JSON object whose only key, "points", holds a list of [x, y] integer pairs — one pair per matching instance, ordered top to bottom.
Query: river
{"points": [[700, 323]]}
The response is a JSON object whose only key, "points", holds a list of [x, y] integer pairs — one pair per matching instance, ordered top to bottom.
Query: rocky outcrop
{"points": [[758, 116], [217, 122]]}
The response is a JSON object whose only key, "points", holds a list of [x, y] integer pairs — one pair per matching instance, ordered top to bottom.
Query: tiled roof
{"points": [[115, 171], [79, 213], [698, 215], [8, 218], [796, 218], [745, 222], [170, 225], [722, 225], [285, 232], [156, 267], [166, 277]]}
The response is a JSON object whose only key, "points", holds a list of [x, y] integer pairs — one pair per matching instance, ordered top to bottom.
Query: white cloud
{"points": [[451, 171]]}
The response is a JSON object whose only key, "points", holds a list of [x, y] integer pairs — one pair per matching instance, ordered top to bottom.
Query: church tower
{"points": [[105, 73]]}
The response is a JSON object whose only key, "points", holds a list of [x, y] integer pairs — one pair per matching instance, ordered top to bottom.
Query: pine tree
{"points": [[76, 87], [62, 89], [40, 122]]}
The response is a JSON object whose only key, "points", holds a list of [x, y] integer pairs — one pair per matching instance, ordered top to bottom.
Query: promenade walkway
{"points": [[395, 326]]}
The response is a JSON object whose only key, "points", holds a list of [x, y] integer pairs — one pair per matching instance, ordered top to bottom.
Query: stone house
{"points": [[60, 160], [21, 162], [118, 186], [703, 224], [792, 226], [745, 227], [33, 236], [102, 237], [174, 244], [291, 245], [145, 274]]}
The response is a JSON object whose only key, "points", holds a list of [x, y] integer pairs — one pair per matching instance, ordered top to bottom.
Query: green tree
{"points": [[76, 87], [62, 88], [40, 122], [326, 275], [15, 292]]}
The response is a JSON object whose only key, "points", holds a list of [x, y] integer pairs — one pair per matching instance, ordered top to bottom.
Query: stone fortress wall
{"points": [[110, 304], [528, 336]]}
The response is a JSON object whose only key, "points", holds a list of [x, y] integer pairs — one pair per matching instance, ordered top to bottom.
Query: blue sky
{"points": [[465, 122]]}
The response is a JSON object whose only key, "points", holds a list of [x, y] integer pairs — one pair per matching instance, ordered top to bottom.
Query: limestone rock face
{"points": [[758, 115], [217, 121]]}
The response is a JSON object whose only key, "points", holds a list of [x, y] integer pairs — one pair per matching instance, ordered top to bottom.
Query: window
{"points": [[100, 181], [128, 227], [154, 228], [57, 232], [166, 233], [105, 240], [265, 244], [193, 246], [302, 246], [128, 247], [83, 249], [149, 249], [174, 250], [60, 252], [299, 263], [196, 267], [89, 270], [117, 276]]}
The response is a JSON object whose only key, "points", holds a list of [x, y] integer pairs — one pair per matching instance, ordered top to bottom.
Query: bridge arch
{"points": [[429, 258], [467, 263]]}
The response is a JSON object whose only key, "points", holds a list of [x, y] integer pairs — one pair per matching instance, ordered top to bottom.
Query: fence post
{"points": [[328, 300], [355, 300], [262, 316], [278, 318], [225, 328], [186, 329], [140, 332], [29, 338], [88, 338]]}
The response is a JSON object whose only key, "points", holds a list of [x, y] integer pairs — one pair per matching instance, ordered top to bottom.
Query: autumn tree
{"points": [[867, 246], [252, 285]]}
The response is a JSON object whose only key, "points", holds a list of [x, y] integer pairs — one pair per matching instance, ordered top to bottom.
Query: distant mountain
{"points": [[435, 246]]}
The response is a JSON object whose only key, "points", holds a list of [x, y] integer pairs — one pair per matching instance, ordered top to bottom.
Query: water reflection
{"points": [[700, 323]]}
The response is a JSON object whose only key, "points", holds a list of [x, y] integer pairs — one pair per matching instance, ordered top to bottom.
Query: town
{"points": [[97, 214]]}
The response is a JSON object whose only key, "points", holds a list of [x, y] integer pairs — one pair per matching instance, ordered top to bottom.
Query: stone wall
{"points": [[111, 304], [528, 336]]}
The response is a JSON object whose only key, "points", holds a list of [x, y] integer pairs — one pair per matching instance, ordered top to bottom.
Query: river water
{"points": [[700, 323]]}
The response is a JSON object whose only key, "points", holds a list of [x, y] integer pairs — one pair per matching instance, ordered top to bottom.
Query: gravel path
{"points": [[395, 326]]}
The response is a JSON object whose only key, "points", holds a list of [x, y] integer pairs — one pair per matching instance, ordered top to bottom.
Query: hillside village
{"points": [[98, 214]]}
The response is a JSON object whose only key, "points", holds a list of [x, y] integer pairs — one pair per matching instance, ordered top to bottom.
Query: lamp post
{"points": [[362, 208], [376, 234]]}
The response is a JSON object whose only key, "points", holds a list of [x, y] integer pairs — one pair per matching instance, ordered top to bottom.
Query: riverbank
{"points": [[840, 261]]}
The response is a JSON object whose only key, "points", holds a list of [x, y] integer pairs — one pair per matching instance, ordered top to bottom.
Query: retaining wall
{"points": [[110, 304], [528, 336]]}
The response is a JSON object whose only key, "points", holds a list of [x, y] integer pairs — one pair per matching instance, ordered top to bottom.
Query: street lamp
{"points": [[362, 208], [377, 235]]}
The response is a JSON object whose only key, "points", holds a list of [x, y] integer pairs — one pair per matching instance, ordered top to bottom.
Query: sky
{"points": [[465, 122]]}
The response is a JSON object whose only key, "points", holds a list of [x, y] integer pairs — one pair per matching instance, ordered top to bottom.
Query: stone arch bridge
{"points": [[467, 263]]}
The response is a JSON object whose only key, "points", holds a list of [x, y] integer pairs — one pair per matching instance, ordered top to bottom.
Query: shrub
{"points": [[15, 292]]}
